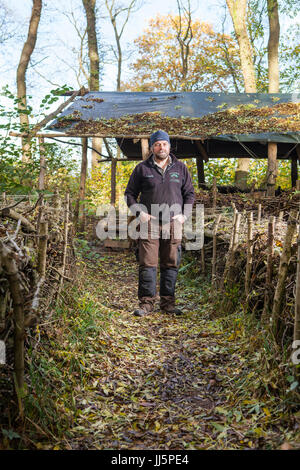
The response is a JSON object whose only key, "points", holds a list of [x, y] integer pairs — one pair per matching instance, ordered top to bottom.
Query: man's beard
{"points": [[161, 156]]}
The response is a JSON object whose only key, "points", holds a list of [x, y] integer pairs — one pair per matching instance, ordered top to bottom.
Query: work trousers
{"points": [[163, 242]]}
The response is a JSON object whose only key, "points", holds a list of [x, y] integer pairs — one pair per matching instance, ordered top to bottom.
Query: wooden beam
{"points": [[51, 116], [145, 148], [202, 150]]}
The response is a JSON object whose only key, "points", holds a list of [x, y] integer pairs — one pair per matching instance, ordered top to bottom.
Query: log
{"points": [[16, 216], [282, 273]]}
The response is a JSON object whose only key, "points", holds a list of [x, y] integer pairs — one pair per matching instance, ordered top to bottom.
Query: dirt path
{"points": [[158, 382]]}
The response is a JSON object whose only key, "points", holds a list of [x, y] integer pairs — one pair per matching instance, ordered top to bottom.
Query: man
{"points": [[166, 191]]}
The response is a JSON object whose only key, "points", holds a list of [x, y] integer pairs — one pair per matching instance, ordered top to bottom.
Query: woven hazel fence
{"points": [[36, 256], [262, 256]]}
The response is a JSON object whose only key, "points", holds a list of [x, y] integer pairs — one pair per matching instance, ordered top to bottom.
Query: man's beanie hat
{"points": [[159, 135]]}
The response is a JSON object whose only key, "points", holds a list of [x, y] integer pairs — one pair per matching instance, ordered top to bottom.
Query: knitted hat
{"points": [[159, 135]]}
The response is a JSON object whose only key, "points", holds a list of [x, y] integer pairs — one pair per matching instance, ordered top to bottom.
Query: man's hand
{"points": [[144, 217], [180, 217]]}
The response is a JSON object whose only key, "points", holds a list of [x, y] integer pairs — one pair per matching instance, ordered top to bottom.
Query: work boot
{"points": [[174, 311], [139, 312]]}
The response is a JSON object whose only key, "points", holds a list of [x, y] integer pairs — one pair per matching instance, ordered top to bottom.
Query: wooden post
{"points": [[96, 145], [145, 148], [202, 150], [272, 168], [200, 171], [294, 171], [42, 173], [113, 181], [214, 194], [79, 211], [259, 214], [271, 229], [65, 246], [232, 247], [42, 248], [249, 252], [214, 256], [203, 260], [8, 261], [283, 269], [297, 296]]}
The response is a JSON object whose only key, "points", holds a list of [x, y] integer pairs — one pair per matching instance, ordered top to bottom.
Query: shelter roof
{"points": [[215, 117]]}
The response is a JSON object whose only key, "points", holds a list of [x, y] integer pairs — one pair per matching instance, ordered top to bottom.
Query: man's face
{"points": [[161, 149]]}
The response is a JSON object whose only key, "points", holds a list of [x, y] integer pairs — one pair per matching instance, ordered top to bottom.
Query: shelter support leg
{"points": [[272, 168], [200, 171], [294, 171]]}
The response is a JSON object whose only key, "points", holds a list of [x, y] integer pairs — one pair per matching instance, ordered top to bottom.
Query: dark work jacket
{"points": [[174, 186]]}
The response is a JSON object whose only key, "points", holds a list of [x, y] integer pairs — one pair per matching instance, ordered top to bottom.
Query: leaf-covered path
{"points": [[158, 382]]}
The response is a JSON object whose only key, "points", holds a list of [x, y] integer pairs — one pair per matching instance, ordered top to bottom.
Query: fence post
{"points": [[271, 229], [249, 252], [214, 256], [283, 268], [297, 295]]}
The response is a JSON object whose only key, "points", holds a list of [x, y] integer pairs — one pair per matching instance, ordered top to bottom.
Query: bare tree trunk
{"points": [[89, 6], [115, 9], [237, 9], [273, 44], [26, 53], [273, 74]]}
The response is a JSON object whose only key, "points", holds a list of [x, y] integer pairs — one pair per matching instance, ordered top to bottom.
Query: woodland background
{"points": [[195, 46]]}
